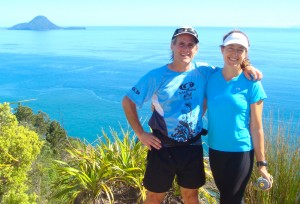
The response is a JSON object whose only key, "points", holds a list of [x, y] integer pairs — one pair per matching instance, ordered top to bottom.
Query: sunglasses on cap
{"points": [[187, 30]]}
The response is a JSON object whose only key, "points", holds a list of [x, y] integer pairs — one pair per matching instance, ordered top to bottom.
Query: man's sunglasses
{"points": [[185, 30]]}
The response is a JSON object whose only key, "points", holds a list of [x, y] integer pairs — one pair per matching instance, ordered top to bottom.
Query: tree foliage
{"points": [[38, 122], [51, 131], [56, 136], [19, 147], [42, 173]]}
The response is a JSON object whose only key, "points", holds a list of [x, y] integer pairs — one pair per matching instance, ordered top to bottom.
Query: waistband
{"points": [[169, 142]]}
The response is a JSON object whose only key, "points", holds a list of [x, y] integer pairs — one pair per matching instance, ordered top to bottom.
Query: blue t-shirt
{"points": [[177, 98], [228, 105]]}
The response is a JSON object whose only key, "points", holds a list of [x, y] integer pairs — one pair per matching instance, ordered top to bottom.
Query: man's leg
{"points": [[191, 174], [159, 175], [189, 196], [154, 198]]}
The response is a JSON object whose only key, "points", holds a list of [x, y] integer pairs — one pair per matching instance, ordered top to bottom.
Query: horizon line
{"points": [[217, 26]]}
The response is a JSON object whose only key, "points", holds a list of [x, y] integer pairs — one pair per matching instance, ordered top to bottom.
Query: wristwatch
{"points": [[261, 163]]}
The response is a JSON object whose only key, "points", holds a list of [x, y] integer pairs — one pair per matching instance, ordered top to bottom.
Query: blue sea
{"points": [[79, 77]]}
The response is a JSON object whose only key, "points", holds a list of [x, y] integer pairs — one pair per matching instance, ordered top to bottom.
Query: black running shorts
{"points": [[184, 162]]}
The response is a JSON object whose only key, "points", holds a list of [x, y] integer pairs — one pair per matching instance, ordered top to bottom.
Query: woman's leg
{"points": [[231, 171]]}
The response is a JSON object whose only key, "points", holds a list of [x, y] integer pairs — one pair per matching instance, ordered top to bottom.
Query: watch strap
{"points": [[261, 163]]}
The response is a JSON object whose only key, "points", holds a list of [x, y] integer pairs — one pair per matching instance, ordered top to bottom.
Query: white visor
{"points": [[236, 38]]}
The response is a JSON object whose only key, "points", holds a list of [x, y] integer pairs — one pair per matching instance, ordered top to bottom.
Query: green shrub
{"points": [[19, 148]]}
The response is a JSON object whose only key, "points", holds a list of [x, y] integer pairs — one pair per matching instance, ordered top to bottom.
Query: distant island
{"points": [[42, 23]]}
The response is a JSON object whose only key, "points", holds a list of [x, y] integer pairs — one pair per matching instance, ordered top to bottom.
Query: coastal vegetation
{"points": [[283, 155], [39, 163]]}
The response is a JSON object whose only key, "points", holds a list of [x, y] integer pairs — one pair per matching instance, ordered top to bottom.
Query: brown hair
{"points": [[245, 63]]}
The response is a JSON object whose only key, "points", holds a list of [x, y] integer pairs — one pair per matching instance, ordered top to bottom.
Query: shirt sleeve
{"points": [[144, 89], [257, 93]]}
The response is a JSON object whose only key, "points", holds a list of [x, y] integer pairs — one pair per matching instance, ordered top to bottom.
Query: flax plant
{"points": [[127, 156], [100, 172], [85, 178]]}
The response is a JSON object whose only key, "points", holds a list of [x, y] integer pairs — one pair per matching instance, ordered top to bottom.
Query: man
{"points": [[177, 94]]}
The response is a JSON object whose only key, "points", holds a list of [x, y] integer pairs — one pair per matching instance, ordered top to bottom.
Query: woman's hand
{"points": [[264, 173]]}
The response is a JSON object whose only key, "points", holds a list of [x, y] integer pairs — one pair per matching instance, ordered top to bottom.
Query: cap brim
{"points": [[185, 32], [235, 41]]}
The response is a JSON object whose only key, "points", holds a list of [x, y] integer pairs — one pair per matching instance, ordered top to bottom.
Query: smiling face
{"points": [[184, 48], [234, 55]]}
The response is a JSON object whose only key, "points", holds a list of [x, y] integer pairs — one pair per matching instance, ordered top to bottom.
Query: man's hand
{"points": [[252, 73], [150, 140]]}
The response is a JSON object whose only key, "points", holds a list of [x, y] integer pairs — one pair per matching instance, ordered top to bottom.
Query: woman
{"points": [[235, 122]]}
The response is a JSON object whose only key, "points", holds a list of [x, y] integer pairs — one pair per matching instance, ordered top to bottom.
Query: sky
{"points": [[216, 13]]}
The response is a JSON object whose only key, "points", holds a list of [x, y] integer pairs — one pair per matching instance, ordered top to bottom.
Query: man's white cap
{"points": [[236, 38]]}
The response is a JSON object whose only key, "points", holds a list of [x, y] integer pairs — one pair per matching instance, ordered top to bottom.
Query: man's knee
{"points": [[190, 196], [154, 198]]}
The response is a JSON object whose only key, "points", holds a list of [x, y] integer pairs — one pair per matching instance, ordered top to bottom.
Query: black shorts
{"points": [[186, 162]]}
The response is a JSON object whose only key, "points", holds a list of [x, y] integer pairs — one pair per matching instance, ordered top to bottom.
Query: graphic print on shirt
{"points": [[135, 90], [184, 130]]}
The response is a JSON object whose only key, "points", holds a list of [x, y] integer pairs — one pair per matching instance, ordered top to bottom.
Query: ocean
{"points": [[79, 77]]}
